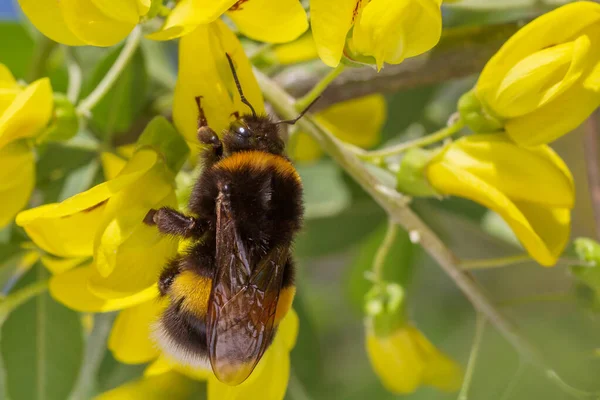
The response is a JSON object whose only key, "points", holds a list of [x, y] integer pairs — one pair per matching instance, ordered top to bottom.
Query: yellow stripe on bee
{"points": [[259, 161], [194, 289], [286, 297]]}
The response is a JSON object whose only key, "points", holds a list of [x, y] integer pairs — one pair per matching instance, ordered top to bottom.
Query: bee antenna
{"points": [[239, 87], [293, 121]]}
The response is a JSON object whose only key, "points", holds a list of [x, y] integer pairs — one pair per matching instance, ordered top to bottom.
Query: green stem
{"points": [[131, 44], [44, 48], [75, 75], [319, 88], [420, 142], [396, 206], [384, 250], [489, 263], [470, 265], [537, 298], [14, 300], [479, 329], [296, 388]]}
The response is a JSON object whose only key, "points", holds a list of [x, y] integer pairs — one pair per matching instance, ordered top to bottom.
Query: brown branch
{"points": [[461, 52], [592, 160]]}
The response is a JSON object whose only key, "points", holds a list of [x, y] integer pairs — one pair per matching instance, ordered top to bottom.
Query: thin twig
{"points": [[131, 45], [461, 52], [75, 75], [419, 142], [592, 161], [397, 210], [384, 248], [477, 339]]}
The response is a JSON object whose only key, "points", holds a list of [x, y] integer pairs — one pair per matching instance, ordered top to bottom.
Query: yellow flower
{"points": [[274, 21], [85, 22], [387, 31], [300, 50], [212, 79], [545, 80], [24, 112], [358, 122], [530, 188], [106, 222], [130, 339], [405, 360], [267, 382]]}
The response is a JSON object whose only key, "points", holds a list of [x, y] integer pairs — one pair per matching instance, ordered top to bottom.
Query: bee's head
{"points": [[251, 132]]}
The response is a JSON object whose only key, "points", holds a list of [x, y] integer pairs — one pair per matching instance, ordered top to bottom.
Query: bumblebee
{"points": [[233, 285]]}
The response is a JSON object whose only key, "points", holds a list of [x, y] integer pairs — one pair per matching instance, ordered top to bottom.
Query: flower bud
{"points": [[374, 32], [545, 80], [64, 124], [410, 178]]}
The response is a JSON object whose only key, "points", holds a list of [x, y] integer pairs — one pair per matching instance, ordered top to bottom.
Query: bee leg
{"points": [[214, 148], [175, 223]]}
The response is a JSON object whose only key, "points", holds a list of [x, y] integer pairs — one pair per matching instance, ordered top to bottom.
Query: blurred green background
{"points": [[334, 250]]}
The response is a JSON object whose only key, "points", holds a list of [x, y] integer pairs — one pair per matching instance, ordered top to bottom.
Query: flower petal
{"points": [[127, 11], [188, 15], [47, 17], [270, 21], [330, 22], [91, 25], [392, 30], [535, 36], [300, 50], [541, 77], [7, 80], [212, 80], [29, 112], [556, 118], [358, 122], [496, 160], [112, 165], [17, 179], [451, 180], [123, 218], [68, 229], [137, 264], [61, 265], [71, 289], [130, 339], [396, 360], [440, 371], [171, 385]]}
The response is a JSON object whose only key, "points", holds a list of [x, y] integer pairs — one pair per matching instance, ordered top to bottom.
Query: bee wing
{"points": [[241, 312]]}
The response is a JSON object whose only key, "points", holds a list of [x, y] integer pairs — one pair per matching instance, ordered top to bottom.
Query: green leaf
{"points": [[16, 42], [159, 64], [121, 106], [164, 138], [55, 165], [79, 180], [325, 193], [397, 267], [42, 347], [306, 356], [112, 373]]}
